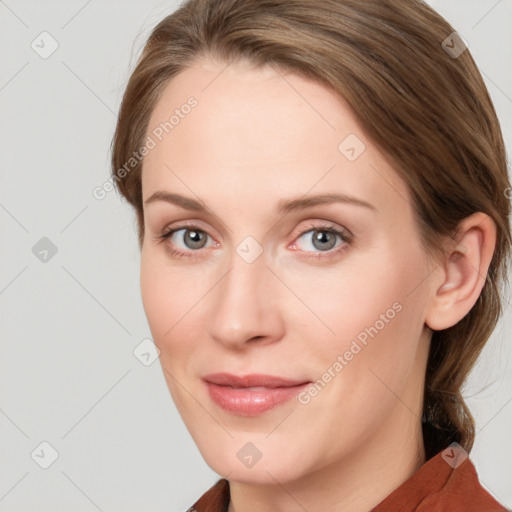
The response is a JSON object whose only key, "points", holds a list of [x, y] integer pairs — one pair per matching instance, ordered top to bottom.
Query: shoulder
{"points": [[446, 482], [464, 490], [215, 499]]}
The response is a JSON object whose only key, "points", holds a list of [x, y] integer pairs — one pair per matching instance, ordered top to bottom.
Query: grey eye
{"points": [[192, 238], [319, 240]]}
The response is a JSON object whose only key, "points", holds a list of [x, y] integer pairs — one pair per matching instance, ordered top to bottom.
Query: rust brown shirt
{"points": [[435, 487]]}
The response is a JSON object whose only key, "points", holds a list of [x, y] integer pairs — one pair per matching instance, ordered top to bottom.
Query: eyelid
{"points": [[186, 224], [321, 225]]}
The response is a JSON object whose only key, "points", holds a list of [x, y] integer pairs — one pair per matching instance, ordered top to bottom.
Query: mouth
{"points": [[251, 395]]}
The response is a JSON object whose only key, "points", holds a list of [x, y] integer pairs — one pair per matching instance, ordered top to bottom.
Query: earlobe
{"points": [[463, 272]]}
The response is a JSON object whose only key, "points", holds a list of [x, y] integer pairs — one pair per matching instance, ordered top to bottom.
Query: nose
{"points": [[245, 305]]}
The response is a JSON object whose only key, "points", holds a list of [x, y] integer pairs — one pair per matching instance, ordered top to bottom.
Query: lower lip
{"points": [[252, 403]]}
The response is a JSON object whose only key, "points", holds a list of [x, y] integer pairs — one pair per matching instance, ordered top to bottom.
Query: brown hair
{"points": [[427, 110]]}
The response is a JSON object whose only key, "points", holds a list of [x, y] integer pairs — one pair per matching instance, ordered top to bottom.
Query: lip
{"points": [[252, 380], [236, 394]]}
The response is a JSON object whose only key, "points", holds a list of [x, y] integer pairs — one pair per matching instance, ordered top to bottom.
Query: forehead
{"points": [[263, 129]]}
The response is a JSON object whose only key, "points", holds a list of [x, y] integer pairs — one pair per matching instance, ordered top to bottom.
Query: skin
{"points": [[257, 136]]}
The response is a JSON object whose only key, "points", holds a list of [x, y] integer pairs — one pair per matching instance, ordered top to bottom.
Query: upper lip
{"points": [[247, 381]]}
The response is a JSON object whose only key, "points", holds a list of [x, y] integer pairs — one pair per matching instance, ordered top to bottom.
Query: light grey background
{"points": [[69, 325]]}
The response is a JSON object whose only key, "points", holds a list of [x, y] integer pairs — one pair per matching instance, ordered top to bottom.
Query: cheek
{"points": [[167, 294], [171, 297], [157, 299], [338, 303], [164, 306], [368, 314], [378, 339]]}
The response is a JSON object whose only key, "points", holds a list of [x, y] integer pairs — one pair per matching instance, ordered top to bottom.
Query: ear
{"points": [[463, 272]]}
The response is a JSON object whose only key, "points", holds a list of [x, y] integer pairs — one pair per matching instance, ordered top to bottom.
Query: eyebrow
{"points": [[284, 205]]}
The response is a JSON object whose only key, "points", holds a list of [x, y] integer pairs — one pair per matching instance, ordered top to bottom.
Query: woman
{"points": [[251, 133]]}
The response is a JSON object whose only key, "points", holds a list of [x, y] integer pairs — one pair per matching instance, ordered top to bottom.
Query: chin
{"points": [[232, 461], [257, 475]]}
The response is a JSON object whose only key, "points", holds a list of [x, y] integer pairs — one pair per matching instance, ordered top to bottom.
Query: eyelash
{"points": [[344, 235]]}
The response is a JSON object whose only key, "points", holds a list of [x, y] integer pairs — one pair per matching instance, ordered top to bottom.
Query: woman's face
{"points": [[254, 278]]}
